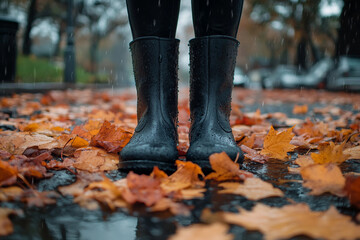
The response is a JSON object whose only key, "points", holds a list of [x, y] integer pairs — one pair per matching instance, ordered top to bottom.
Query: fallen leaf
{"points": [[300, 109], [111, 138], [17, 142], [277, 145], [352, 153], [330, 154], [254, 155], [93, 159], [302, 161], [31, 166], [225, 169], [8, 174], [158, 174], [186, 176], [323, 178], [142, 188], [252, 188], [10, 193], [39, 199], [174, 207], [294, 220], [6, 226], [213, 231]]}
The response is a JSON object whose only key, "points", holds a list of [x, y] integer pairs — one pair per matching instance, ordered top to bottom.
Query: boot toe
{"points": [[154, 152]]}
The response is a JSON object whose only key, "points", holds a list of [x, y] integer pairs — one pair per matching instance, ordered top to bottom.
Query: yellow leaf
{"points": [[276, 145], [330, 154], [252, 188], [295, 220]]}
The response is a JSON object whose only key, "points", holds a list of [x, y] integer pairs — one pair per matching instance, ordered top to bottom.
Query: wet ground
{"points": [[66, 220]]}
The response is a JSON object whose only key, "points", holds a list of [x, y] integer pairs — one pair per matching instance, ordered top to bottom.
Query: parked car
{"points": [[346, 75], [257, 76], [289, 77], [240, 78], [274, 79]]}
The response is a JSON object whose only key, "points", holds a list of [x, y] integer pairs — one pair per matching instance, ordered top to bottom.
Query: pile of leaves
{"points": [[82, 132]]}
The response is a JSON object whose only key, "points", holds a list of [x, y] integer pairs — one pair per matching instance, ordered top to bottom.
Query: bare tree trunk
{"points": [[26, 48]]}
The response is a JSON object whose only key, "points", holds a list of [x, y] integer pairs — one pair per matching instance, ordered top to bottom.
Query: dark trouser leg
{"points": [[153, 17], [216, 17], [155, 61], [212, 62]]}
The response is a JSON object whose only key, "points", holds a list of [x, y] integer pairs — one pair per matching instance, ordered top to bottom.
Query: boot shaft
{"points": [[155, 63], [212, 64]]}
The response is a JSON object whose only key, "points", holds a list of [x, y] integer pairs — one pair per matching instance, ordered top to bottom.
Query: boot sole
{"points": [[146, 166]]}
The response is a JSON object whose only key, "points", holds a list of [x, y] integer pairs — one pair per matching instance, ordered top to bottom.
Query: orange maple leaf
{"points": [[300, 109], [111, 138], [277, 145], [330, 154], [225, 168], [8, 173], [186, 175], [323, 178]]}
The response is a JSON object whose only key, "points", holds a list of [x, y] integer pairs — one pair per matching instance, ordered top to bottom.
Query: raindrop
{"points": [[159, 3], [207, 3], [232, 13], [154, 22], [5, 70]]}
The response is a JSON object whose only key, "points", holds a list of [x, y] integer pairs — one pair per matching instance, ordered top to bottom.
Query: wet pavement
{"points": [[67, 220]]}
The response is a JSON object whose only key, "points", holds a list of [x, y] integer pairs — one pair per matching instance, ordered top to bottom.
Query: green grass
{"points": [[31, 70]]}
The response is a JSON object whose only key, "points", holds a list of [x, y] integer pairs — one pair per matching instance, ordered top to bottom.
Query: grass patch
{"points": [[32, 70]]}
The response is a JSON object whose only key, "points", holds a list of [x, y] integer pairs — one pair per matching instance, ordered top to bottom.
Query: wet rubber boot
{"points": [[155, 63], [212, 64]]}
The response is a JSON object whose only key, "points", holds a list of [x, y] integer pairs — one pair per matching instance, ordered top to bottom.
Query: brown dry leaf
{"points": [[300, 109], [88, 130], [111, 138], [18, 142], [277, 145], [353, 153], [330, 154], [254, 155], [93, 159], [302, 161], [31, 166], [225, 169], [8, 174], [158, 174], [186, 176], [323, 178], [142, 188], [252, 188], [75, 189], [352, 189], [10, 193], [39, 199], [174, 207], [294, 220], [6, 226], [213, 231]]}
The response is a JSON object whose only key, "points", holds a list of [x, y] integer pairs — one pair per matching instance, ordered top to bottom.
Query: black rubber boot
{"points": [[155, 62], [212, 64]]}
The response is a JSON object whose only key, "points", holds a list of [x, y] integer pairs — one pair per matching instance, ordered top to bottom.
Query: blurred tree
{"points": [[103, 17], [297, 21]]}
